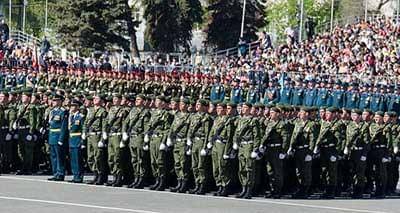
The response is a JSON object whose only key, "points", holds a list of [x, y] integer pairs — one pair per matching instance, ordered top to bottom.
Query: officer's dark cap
{"points": [[161, 98], [176, 100], [185, 101], [75, 102], [203, 102], [221, 104], [231, 104], [248, 104], [275, 109], [331, 109], [357, 111], [380, 113]]}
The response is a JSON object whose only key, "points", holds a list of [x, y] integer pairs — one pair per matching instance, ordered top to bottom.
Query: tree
{"points": [[224, 22], [169, 23]]}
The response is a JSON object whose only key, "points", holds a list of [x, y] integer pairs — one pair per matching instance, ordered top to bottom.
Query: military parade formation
{"points": [[201, 133]]}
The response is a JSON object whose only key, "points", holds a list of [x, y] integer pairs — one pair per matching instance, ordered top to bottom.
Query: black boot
{"points": [[115, 177], [95, 178], [101, 180], [118, 182], [140, 183], [133, 184], [155, 185], [162, 185], [184, 186], [177, 187], [202, 189], [194, 191], [218, 191], [224, 192], [357, 192], [242, 193], [249, 193], [302, 193], [329, 193]]}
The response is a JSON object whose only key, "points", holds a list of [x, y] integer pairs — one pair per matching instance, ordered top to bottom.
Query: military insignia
{"points": [[57, 118], [77, 122]]}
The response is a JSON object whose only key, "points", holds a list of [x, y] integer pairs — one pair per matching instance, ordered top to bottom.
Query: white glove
{"points": [[14, 126], [42, 130], [15, 136], [83, 136], [104, 136], [125, 136], [8, 137], [29, 138], [35, 138], [146, 138], [169, 142], [189, 142], [60, 143], [100, 144], [121, 145], [209, 145], [83, 146], [235, 146], [146, 147], [163, 147], [261, 149], [396, 149], [290, 150], [316, 150], [346, 151], [189, 152], [203, 152], [232, 155], [253, 155], [282, 156], [225, 157], [308, 158], [333, 158], [385, 160]]}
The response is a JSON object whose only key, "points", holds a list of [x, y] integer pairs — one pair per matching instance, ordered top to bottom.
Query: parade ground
{"points": [[31, 194]]}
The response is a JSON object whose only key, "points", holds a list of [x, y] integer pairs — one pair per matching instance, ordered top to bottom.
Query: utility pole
{"points": [[332, 8], [243, 15], [301, 19]]}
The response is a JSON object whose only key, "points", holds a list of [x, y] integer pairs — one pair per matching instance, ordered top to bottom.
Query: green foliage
{"points": [[283, 14], [224, 22], [169, 23]]}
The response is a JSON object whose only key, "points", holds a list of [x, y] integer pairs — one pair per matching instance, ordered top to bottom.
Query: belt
{"points": [[24, 127], [55, 130], [94, 133], [75, 134], [115, 134], [198, 138], [221, 141], [246, 142], [274, 145], [328, 145], [379, 146], [302, 147], [357, 148]]}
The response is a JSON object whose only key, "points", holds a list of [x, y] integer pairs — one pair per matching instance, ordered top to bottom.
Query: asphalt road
{"points": [[31, 194]]}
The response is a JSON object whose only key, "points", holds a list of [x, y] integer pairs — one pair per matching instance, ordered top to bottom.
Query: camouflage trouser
{"points": [[25, 150], [114, 154], [96, 156], [157, 156], [138, 159], [181, 160], [198, 161], [303, 161], [246, 165], [276, 165], [220, 166]]}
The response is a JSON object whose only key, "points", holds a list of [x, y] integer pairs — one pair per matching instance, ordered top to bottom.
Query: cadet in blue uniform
{"points": [[217, 90], [286, 92], [271, 93], [310, 94], [323, 94], [236, 95], [253, 95], [297, 95], [337, 96], [352, 97], [365, 98], [378, 100], [393, 100], [75, 122], [57, 132]]}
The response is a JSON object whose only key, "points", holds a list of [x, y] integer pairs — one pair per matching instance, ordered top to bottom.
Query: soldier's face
{"points": [[3, 99], [25, 99], [97, 101], [116, 101], [139, 102], [159, 103], [174, 105], [182, 106], [198, 107], [73, 108], [211, 108], [220, 110], [229, 110], [246, 110], [274, 115], [303, 115], [329, 116], [365, 116], [355, 117], [386, 118], [378, 119]]}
